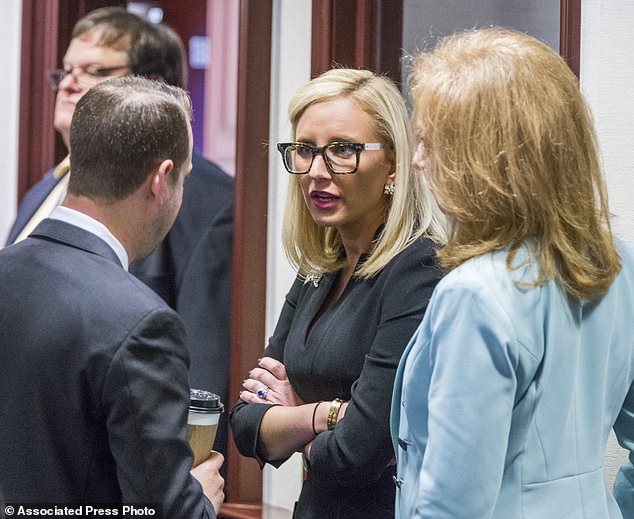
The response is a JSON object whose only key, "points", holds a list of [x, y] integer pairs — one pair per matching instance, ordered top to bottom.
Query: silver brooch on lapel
{"points": [[313, 278]]}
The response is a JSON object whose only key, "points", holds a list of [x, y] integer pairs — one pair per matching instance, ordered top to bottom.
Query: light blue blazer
{"points": [[505, 397]]}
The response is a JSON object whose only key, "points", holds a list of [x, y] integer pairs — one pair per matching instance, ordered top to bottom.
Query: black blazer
{"points": [[351, 351], [93, 378]]}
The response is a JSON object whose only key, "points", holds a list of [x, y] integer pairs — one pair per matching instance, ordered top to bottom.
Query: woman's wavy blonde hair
{"points": [[511, 156], [411, 211]]}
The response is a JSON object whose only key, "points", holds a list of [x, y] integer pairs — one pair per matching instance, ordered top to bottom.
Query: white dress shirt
{"points": [[87, 223]]}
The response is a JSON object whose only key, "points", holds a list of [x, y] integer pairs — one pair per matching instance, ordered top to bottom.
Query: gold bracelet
{"points": [[333, 412]]}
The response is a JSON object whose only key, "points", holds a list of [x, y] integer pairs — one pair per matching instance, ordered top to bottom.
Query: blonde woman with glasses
{"points": [[361, 231], [524, 361]]}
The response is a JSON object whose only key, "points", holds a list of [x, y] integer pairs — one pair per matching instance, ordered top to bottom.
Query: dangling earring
{"points": [[389, 189]]}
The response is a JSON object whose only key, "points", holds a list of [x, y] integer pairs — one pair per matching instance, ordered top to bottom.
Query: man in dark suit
{"points": [[190, 269], [93, 364]]}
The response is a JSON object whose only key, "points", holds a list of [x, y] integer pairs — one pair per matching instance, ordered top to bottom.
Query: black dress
{"points": [[351, 351]]}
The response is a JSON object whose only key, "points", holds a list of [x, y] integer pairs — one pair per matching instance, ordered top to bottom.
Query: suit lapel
{"points": [[32, 201], [73, 236], [319, 289]]}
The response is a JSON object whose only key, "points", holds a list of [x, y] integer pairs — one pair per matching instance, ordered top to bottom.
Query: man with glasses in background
{"points": [[190, 269]]}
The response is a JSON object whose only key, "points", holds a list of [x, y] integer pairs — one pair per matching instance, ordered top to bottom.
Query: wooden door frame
{"points": [[570, 33], [357, 34], [368, 34], [248, 295]]}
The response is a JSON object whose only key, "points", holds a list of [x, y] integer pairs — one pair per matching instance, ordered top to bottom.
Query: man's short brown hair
{"points": [[121, 130]]}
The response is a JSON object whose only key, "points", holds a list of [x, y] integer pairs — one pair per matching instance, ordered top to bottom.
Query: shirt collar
{"points": [[62, 168], [89, 224]]}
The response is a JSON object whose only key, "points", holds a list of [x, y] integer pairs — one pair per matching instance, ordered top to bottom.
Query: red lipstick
{"points": [[323, 199]]}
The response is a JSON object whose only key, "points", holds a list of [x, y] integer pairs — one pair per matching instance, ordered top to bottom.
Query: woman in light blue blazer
{"points": [[524, 361]]}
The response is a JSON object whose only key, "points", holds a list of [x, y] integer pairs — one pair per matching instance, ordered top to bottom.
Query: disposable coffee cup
{"points": [[202, 423]]}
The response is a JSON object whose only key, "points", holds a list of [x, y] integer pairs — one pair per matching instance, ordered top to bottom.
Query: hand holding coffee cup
{"points": [[202, 423], [208, 475]]}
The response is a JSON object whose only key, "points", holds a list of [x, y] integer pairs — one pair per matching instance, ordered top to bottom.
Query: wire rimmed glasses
{"points": [[87, 75], [340, 158]]}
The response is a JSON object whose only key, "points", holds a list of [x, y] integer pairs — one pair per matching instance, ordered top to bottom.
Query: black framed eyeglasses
{"points": [[93, 74], [341, 158]]}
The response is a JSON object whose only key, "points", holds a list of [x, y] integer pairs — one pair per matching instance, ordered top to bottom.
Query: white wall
{"points": [[10, 34], [290, 69], [607, 76]]}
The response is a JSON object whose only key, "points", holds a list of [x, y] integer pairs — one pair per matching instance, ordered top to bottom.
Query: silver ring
{"points": [[262, 392]]}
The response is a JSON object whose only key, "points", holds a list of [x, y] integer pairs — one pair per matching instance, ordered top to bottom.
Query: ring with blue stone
{"points": [[262, 392]]}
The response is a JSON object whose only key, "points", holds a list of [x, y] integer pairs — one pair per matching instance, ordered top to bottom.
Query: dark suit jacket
{"points": [[30, 203], [191, 271], [93, 378]]}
